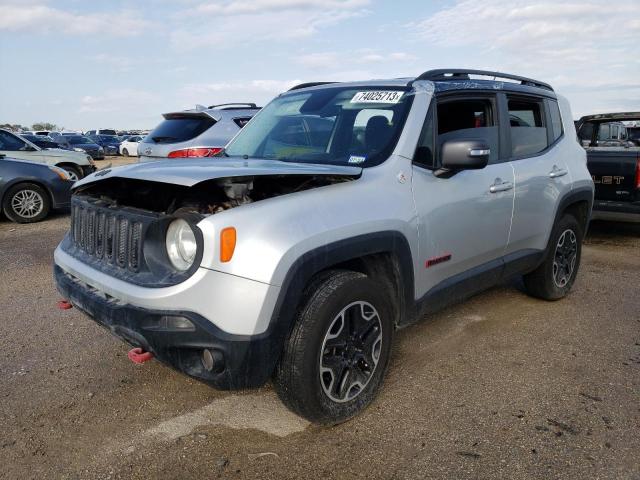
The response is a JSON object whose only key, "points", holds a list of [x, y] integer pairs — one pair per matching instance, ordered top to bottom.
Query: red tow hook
{"points": [[64, 304], [138, 355]]}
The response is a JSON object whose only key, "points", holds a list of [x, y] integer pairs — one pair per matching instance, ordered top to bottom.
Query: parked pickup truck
{"points": [[615, 169]]}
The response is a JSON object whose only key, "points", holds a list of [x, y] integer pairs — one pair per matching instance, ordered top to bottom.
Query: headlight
{"points": [[78, 150], [60, 172], [181, 244]]}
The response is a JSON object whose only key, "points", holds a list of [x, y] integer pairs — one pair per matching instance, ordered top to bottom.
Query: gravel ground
{"points": [[501, 386]]}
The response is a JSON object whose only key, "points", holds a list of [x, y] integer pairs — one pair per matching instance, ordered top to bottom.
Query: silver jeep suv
{"points": [[201, 132], [340, 213]]}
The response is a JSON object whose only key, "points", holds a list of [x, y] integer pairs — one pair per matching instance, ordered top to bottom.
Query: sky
{"points": [[121, 64]]}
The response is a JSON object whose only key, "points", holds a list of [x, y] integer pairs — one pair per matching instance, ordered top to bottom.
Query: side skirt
{"points": [[466, 284]]}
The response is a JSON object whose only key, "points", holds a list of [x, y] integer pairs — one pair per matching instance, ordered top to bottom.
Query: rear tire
{"points": [[26, 203], [553, 279], [338, 351]]}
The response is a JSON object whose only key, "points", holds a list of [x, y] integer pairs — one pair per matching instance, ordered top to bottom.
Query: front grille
{"points": [[113, 237]]}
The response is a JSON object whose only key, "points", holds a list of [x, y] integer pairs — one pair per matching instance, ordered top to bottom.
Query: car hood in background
{"points": [[88, 146], [78, 157], [190, 172]]}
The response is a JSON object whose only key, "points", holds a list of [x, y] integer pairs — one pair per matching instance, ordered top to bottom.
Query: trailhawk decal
{"points": [[373, 96], [445, 257]]}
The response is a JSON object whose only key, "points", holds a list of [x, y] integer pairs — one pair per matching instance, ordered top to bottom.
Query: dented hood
{"points": [[190, 172]]}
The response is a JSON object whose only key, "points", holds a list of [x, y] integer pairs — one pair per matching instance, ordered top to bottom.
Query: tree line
{"points": [[16, 127]]}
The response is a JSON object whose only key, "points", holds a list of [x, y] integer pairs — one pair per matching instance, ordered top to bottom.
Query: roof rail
{"points": [[445, 74], [309, 84], [229, 106]]}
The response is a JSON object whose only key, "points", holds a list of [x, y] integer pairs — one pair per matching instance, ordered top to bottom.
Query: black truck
{"points": [[613, 159]]}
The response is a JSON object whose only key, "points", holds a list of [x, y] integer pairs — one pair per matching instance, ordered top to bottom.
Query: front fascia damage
{"points": [[172, 189], [119, 220]]}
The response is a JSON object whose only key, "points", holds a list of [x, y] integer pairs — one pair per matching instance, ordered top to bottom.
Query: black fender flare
{"points": [[581, 194], [322, 258]]}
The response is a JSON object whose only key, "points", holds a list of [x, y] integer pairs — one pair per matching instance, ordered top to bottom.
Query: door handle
{"points": [[557, 172], [500, 186]]}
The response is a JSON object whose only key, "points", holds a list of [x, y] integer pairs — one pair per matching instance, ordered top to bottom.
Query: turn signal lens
{"points": [[60, 172], [227, 243]]}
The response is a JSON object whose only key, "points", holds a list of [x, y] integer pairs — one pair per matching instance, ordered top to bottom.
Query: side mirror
{"points": [[465, 154]]}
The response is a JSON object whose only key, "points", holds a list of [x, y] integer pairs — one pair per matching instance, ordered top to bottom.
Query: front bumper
{"points": [[96, 154], [60, 193], [242, 361]]}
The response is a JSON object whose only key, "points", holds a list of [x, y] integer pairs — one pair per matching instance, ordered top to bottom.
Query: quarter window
{"points": [[556, 120], [528, 130], [424, 155]]}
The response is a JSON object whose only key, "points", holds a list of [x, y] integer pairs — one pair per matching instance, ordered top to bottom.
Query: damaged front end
{"points": [[206, 189], [204, 198], [120, 220]]}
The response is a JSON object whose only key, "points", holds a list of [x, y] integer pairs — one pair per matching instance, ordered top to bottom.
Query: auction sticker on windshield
{"points": [[373, 96]]}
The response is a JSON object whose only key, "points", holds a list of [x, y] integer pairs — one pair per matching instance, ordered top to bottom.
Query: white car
{"points": [[130, 146], [77, 164]]}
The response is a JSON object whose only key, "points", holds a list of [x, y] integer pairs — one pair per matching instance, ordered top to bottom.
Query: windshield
{"points": [[333, 125], [108, 138], [79, 140]]}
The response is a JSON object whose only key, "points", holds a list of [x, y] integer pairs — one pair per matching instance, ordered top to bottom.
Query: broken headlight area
{"points": [[138, 246]]}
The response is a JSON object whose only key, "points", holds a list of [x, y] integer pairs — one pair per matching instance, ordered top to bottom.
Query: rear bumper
{"points": [[616, 211], [242, 361]]}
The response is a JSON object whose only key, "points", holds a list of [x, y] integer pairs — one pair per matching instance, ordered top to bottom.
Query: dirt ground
{"points": [[501, 386]]}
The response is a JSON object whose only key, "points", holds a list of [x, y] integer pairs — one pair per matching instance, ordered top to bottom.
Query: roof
{"points": [[449, 80], [610, 117]]}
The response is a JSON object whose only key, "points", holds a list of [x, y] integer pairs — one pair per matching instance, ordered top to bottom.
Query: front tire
{"points": [[125, 152], [74, 173], [26, 203], [553, 279], [338, 351]]}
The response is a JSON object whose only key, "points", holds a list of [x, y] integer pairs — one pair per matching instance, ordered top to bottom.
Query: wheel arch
{"points": [[71, 164], [20, 181], [577, 203], [385, 256]]}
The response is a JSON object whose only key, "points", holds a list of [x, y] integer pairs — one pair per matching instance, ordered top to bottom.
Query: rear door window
{"points": [[527, 126], [181, 128], [604, 132], [10, 142]]}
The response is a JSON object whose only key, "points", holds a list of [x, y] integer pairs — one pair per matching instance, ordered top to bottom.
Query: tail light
{"points": [[195, 152]]}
